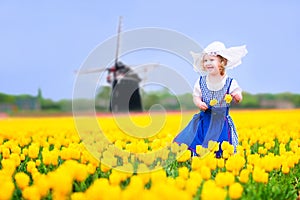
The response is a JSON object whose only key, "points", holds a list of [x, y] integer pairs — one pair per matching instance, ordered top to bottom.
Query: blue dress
{"points": [[213, 124]]}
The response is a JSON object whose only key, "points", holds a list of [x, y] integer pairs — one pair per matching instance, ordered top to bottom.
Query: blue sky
{"points": [[43, 42]]}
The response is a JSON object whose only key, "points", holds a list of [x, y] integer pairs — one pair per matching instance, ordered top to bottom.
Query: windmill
{"points": [[125, 90]]}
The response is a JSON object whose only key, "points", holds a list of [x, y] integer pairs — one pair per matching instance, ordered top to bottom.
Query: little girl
{"points": [[212, 94]]}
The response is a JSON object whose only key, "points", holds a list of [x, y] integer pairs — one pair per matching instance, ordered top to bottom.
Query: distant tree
{"points": [[39, 95], [5, 98], [103, 98], [150, 99], [296, 100], [249, 101], [186, 102], [48, 104], [65, 105]]}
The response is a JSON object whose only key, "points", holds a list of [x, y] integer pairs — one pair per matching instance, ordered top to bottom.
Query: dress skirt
{"points": [[213, 124]]}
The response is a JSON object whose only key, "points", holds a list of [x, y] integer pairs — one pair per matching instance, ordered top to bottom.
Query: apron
{"points": [[213, 124]]}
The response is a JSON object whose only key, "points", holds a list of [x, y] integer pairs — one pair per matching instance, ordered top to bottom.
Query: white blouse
{"points": [[216, 86]]}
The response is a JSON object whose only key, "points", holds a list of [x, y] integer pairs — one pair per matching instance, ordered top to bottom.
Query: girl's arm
{"points": [[235, 91], [197, 94], [237, 96], [200, 104]]}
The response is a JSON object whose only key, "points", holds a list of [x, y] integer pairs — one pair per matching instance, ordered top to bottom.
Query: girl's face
{"points": [[211, 64]]}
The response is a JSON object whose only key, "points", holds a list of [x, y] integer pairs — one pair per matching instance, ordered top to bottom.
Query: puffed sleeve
{"points": [[234, 87], [197, 91], [197, 94]]}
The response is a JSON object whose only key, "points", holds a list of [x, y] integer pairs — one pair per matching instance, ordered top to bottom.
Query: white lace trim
{"points": [[215, 87]]}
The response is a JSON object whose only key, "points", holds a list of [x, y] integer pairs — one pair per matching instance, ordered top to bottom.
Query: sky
{"points": [[42, 43]]}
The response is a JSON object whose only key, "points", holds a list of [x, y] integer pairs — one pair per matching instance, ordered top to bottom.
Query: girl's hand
{"points": [[237, 96], [199, 103], [202, 105]]}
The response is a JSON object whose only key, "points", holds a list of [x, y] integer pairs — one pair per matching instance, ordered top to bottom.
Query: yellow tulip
{"points": [[228, 98], [213, 102], [33, 151], [5, 152], [185, 156], [220, 162], [196, 163], [285, 169], [183, 172], [205, 172], [259, 175], [195, 176], [244, 176], [224, 179], [22, 180], [180, 182], [42, 183], [192, 186], [7, 187], [211, 191], [235, 191], [31, 193], [78, 196]]}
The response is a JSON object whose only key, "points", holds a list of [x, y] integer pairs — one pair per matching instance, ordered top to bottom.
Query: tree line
{"points": [[150, 99]]}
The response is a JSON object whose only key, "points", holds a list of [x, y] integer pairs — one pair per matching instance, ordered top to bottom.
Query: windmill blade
{"points": [[118, 40], [144, 69], [91, 70]]}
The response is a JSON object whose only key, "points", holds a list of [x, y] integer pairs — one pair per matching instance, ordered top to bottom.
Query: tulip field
{"points": [[50, 158]]}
